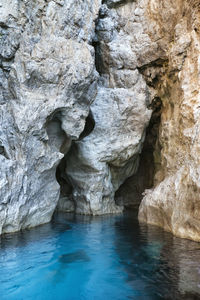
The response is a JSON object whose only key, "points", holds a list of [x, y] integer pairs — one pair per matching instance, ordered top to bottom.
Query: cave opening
{"points": [[130, 193], [66, 202]]}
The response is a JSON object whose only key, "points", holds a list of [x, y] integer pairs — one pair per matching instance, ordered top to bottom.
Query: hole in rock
{"points": [[98, 60], [89, 126], [3, 151], [130, 192], [66, 202]]}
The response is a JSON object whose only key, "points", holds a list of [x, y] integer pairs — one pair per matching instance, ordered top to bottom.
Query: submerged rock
{"points": [[77, 256]]}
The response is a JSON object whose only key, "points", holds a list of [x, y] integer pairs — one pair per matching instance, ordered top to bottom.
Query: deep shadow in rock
{"points": [[89, 126], [62, 178], [130, 192]]}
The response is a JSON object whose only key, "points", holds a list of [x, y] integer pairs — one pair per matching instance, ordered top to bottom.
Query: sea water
{"points": [[98, 258]]}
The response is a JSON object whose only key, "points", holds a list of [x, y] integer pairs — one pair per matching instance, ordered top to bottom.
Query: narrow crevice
{"points": [[117, 3], [98, 40], [96, 46], [98, 61], [89, 126], [3, 151], [65, 186], [131, 191]]}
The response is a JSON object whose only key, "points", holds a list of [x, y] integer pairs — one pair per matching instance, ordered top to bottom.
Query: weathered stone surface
{"points": [[146, 52], [47, 88], [97, 165], [174, 201]]}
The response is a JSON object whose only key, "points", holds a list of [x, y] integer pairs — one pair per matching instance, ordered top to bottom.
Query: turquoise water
{"points": [[110, 257]]}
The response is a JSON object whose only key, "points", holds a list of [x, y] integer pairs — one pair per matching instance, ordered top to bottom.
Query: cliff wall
{"points": [[94, 93], [173, 203]]}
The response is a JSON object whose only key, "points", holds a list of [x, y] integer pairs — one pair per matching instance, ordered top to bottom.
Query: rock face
{"points": [[48, 80], [81, 81], [97, 165], [174, 202]]}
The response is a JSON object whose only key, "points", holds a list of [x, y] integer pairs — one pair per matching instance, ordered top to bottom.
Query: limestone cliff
{"points": [[48, 80], [92, 93], [174, 201]]}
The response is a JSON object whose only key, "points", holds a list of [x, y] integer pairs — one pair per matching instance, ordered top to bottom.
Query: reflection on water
{"points": [[108, 257]]}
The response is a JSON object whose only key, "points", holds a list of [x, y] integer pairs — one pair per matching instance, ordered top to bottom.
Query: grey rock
{"points": [[78, 80], [51, 84], [100, 163], [97, 165]]}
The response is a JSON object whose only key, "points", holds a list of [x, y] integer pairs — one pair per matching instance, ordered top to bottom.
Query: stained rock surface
{"points": [[174, 202]]}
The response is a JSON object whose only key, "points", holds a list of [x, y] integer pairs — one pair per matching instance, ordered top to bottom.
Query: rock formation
{"points": [[48, 80], [94, 93], [98, 164], [174, 202]]}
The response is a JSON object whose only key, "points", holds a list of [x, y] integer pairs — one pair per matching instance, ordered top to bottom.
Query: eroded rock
{"points": [[50, 82], [57, 110], [100, 163], [173, 203]]}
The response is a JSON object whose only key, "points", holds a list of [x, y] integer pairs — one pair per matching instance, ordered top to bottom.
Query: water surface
{"points": [[100, 258]]}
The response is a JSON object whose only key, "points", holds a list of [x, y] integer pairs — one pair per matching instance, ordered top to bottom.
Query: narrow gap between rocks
{"points": [[116, 4], [89, 126], [3, 151], [130, 192]]}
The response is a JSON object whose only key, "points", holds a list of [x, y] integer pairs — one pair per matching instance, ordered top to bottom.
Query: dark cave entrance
{"points": [[130, 192], [66, 202]]}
